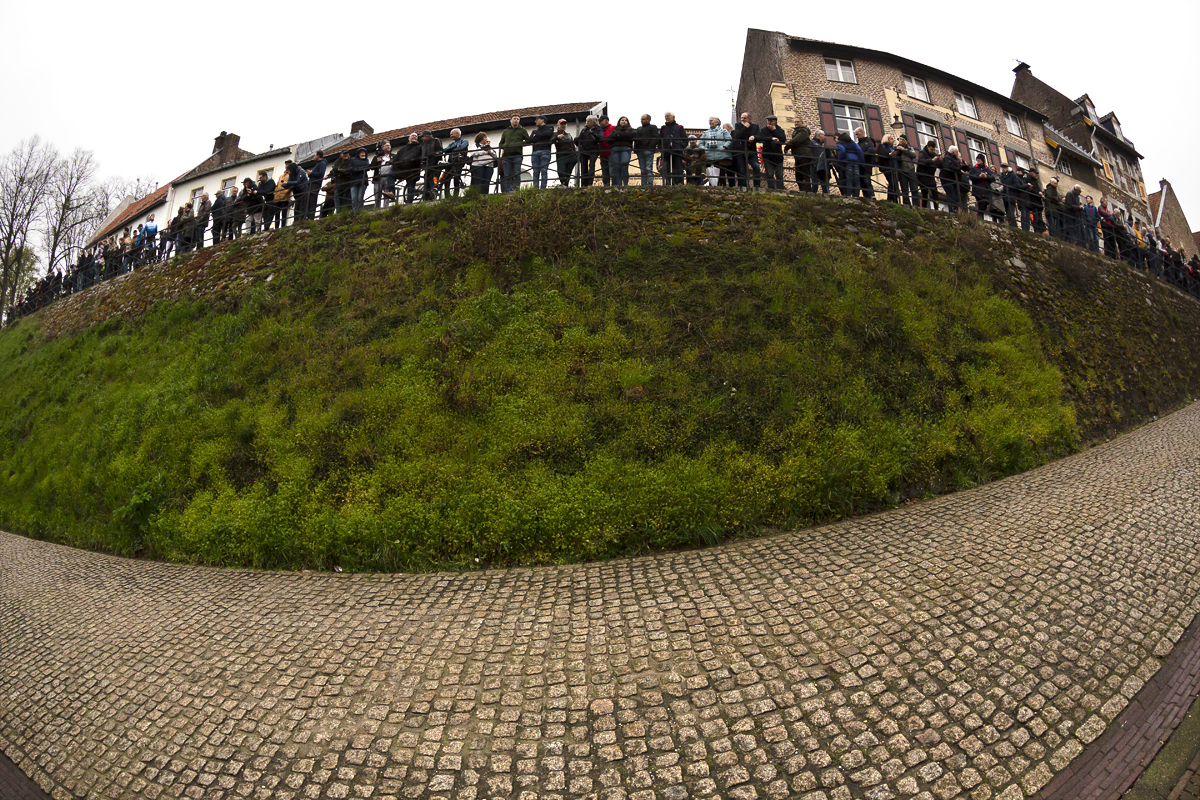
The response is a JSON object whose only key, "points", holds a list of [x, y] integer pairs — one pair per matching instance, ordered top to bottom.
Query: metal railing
{"points": [[650, 162]]}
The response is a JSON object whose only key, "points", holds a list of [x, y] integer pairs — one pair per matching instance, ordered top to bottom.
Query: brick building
{"points": [[839, 87], [1120, 175], [1169, 220]]}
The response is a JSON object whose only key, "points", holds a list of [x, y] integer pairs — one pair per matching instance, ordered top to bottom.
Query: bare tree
{"points": [[25, 176], [69, 208]]}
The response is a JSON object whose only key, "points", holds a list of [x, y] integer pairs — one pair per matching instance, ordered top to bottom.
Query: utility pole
{"points": [[732, 103]]}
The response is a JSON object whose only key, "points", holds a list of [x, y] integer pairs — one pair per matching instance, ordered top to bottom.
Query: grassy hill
{"points": [[560, 376]]}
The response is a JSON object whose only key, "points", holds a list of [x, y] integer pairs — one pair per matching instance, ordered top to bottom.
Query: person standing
{"points": [[606, 130], [541, 139], [673, 139], [772, 140], [621, 141], [588, 143], [716, 143], [512, 145], [645, 145], [869, 149], [745, 152], [803, 155], [567, 157], [456, 158], [905, 159], [431, 160], [483, 160], [928, 161], [849, 162], [406, 166], [887, 167], [950, 175], [316, 176], [342, 176], [383, 184], [294, 185], [981, 185], [1011, 187], [266, 190], [1033, 191], [1054, 209], [236, 212], [1073, 215], [1090, 216], [201, 220]]}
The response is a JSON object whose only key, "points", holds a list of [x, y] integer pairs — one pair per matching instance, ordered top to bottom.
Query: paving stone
{"points": [[972, 645]]}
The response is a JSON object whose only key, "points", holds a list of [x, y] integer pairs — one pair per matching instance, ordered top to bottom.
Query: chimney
{"points": [[1022, 67], [361, 127], [225, 146]]}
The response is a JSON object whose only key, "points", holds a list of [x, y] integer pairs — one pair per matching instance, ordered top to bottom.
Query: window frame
{"points": [[838, 65], [915, 82], [959, 99], [1011, 120], [859, 123], [936, 135], [981, 151], [1019, 158], [1063, 164], [227, 184], [196, 193]]}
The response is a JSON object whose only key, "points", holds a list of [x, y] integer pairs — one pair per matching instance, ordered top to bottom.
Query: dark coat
{"points": [[622, 137], [674, 137], [542, 138], [647, 138], [741, 138], [588, 140], [772, 142], [431, 152], [406, 160], [927, 164], [952, 167], [317, 174], [981, 184], [1012, 184], [220, 209]]}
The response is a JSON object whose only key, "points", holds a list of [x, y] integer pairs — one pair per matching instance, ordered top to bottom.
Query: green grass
{"points": [[550, 377]]}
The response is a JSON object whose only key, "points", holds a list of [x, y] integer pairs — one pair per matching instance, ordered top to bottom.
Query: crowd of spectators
{"points": [[742, 155]]}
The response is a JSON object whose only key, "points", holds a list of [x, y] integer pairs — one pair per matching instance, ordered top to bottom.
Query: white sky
{"points": [[146, 86]]}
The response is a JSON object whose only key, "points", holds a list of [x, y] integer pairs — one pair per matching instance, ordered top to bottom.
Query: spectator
{"points": [[606, 129], [542, 140], [772, 140], [621, 141], [673, 141], [512, 143], [588, 143], [717, 143], [646, 144], [869, 148], [745, 152], [803, 156], [567, 157], [456, 158], [905, 159], [431, 160], [695, 160], [850, 161], [928, 161], [824, 162], [483, 163], [406, 165], [887, 166], [359, 167], [951, 174], [316, 176], [342, 176], [383, 183], [295, 184], [1011, 184], [981, 185], [266, 191], [1033, 193], [1054, 209], [239, 210], [1072, 215], [220, 216], [1091, 219], [201, 220], [184, 229], [1106, 229], [151, 231]]}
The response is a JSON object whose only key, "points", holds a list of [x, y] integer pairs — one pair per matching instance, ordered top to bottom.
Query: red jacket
{"points": [[605, 144]]}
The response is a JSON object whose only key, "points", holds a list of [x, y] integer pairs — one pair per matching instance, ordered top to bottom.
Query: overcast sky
{"points": [[146, 86]]}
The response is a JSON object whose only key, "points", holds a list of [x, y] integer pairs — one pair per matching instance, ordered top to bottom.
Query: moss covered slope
{"points": [[555, 377]]}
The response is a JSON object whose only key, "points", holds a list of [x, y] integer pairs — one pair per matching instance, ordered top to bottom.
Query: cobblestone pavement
{"points": [[969, 646]]}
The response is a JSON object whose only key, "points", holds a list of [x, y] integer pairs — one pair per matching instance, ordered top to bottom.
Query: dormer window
{"points": [[840, 71], [916, 88], [1117, 127]]}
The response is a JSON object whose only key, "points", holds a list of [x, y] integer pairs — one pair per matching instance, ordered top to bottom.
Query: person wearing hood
{"points": [[850, 161], [341, 176]]}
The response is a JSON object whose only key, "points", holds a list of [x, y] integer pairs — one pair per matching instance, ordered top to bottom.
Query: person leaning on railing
{"points": [[588, 143], [456, 158], [431, 160], [406, 166], [382, 180]]}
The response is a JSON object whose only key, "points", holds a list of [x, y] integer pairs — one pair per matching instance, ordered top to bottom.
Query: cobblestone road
{"points": [[970, 646]]}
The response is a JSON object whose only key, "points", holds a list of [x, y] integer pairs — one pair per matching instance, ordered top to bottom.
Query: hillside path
{"points": [[969, 646]]}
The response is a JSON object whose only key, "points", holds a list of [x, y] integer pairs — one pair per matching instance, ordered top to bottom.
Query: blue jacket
{"points": [[716, 143], [848, 150], [317, 173]]}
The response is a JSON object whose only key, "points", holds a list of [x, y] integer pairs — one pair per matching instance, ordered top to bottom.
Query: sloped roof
{"points": [[461, 122], [1057, 137], [244, 156], [135, 210]]}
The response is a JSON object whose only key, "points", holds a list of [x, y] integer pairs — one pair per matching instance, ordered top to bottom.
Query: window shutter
{"points": [[825, 112], [874, 123], [910, 128], [947, 137], [995, 148], [963, 151], [1011, 155], [1107, 168], [1142, 191]]}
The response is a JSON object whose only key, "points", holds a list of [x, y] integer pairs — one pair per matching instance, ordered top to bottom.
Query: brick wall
{"points": [[761, 67], [1174, 224]]}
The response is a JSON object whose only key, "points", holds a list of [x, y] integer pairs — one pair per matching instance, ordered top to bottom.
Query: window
{"points": [[841, 71], [915, 87], [966, 105], [848, 117], [1013, 124], [1117, 127], [927, 132], [976, 147], [1022, 161], [1064, 164], [270, 173], [228, 185], [196, 193]]}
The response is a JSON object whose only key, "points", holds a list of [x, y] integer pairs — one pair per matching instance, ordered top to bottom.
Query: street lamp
{"points": [[897, 125]]}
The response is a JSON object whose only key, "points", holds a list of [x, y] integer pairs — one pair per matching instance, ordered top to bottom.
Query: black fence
{"points": [[800, 167]]}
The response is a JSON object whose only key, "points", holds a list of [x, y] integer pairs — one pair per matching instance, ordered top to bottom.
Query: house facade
{"points": [[837, 87], [1119, 175]]}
